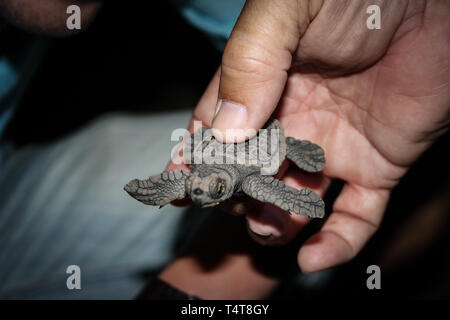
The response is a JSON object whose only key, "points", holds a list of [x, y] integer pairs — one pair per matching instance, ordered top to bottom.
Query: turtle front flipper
{"points": [[305, 154], [160, 189], [271, 190]]}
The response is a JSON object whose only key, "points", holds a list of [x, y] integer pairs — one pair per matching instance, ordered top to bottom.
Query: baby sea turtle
{"points": [[218, 170]]}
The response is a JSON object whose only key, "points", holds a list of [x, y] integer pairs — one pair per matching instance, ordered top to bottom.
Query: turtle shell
{"points": [[265, 151]]}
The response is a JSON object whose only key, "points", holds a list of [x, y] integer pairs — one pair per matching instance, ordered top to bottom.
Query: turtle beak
{"points": [[196, 201], [213, 204]]}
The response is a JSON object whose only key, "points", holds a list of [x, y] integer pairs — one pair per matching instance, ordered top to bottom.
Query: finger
{"points": [[255, 64], [204, 111], [356, 216], [273, 226]]}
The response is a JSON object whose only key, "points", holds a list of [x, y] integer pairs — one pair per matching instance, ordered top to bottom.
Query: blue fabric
{"points": [[215, 18], [8, 77], [14, 79], [8, 80]]}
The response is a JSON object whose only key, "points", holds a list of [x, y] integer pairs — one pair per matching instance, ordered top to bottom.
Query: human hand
{"points": [[373, 99]]}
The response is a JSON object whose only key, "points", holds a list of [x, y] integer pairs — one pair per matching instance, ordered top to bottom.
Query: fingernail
{"points": [[218, 106], [229, 115], [267, 223], [263, 239]]}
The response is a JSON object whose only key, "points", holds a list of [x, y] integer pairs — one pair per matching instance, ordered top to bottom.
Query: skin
{"points": [[375, 100]]}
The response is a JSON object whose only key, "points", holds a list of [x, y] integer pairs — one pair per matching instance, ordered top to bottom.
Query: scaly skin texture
{"points": [[305, 155], [210, 184], [159, 189], [271, 190]]}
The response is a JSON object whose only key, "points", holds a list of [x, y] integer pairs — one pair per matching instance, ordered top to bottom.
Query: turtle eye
{"points": [[217, 188]]}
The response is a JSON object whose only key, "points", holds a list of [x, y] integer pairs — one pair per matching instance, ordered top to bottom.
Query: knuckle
{"points": [[248, 57]]}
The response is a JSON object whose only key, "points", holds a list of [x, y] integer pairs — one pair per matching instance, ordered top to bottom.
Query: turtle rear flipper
{"points": [[305, 154], [159, 189], [271, 190]]}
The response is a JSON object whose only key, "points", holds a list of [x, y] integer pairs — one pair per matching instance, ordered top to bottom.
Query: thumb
{"points": [[255, 64]]}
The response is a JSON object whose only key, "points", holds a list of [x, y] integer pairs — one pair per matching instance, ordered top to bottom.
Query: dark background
{"points": [[148, 60], [142, 65]]}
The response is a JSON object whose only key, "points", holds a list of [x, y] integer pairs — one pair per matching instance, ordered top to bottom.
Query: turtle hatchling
{"points": [[218, 170]]}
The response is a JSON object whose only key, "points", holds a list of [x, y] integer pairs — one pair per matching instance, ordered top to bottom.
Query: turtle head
{"points": [[207, 188]]}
